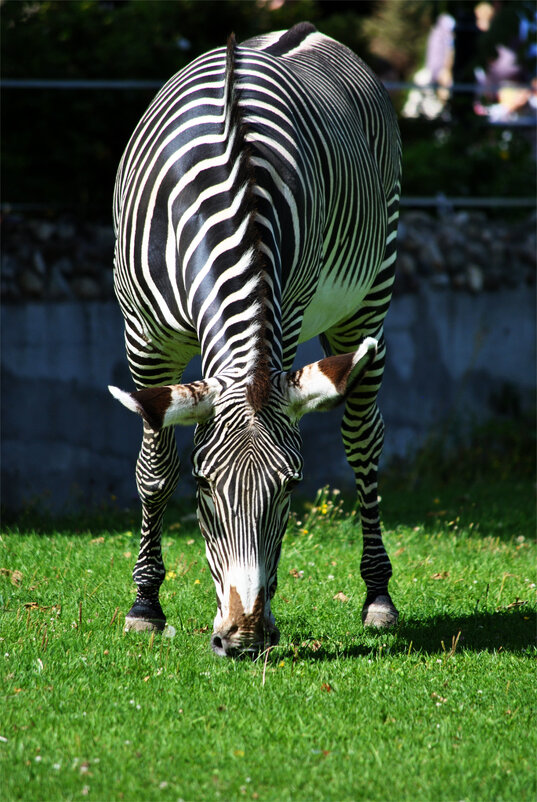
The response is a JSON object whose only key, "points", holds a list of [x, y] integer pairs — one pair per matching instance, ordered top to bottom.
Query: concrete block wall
{"points": [[67, 444]]}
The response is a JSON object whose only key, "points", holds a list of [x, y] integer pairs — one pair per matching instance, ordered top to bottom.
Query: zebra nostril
{"points": [[217, 645], [222, 647]]}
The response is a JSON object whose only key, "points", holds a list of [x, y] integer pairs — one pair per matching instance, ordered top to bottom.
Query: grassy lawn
{"points": [[441, 709]]}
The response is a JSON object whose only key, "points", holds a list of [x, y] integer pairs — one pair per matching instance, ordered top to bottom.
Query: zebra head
{"points": [[246, 462]]}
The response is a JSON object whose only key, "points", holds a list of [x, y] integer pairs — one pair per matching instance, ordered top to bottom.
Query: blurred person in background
{"points": [[506, 54], [430, 102]]}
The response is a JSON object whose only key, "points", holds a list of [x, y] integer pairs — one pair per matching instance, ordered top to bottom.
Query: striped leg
{"points": [[362, 430], [363, 436], [157, 473]]}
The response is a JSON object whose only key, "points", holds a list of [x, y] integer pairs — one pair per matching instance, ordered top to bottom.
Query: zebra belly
{"points": [[332, 303]]}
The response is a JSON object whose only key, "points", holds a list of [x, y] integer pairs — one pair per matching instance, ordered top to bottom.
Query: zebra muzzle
{"points": [[244, 633], [237, 644]]}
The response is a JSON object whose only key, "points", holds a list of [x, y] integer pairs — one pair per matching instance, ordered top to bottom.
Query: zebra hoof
{"points": [[379, 612], [144, 617], [133, 624]]}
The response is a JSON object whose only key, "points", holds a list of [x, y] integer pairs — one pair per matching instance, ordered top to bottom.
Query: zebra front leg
{"points": [[363, 435], [157, 474]]}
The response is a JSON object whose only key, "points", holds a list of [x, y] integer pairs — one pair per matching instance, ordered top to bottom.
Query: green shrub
{"points": [[477, 161]]}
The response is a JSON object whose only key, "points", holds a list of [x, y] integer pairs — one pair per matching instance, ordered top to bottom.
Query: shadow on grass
{"points": [[495, 509], [498, 509], [106, 518], [503, 630], [511, 631]]}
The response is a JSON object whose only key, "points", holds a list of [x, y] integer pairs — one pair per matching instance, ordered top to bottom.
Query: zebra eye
{"points": [[293, 482], [203, 483]]}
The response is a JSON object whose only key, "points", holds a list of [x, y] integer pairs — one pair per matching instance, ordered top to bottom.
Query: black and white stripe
{"points": [[255, 207]]}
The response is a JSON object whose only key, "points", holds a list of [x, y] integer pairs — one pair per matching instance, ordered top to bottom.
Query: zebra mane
{"points": [[258, 387]]}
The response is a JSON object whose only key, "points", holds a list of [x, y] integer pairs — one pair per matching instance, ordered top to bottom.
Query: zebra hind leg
{"points": [[362, 430], [363, 438], [157, 474]]}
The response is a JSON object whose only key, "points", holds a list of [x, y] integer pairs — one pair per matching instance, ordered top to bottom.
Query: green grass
{"points": [[441, 709]]}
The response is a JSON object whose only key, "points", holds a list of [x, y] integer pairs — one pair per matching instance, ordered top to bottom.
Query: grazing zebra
{"points": [[255, 207]]}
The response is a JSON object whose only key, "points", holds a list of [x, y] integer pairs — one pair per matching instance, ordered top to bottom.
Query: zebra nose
{"points": [[221, 646], [232, 647]]}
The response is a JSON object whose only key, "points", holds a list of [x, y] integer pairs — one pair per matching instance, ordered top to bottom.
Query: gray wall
{"points": [[67, 442]]}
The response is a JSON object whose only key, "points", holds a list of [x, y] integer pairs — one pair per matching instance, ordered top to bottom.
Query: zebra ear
{"points": [[324, 384], [183, 404]]}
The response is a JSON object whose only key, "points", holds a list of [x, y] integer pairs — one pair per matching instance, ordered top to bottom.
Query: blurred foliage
{"points": [[397, 32], [141, 39], [62, 147], [464, 161], [502, 449]]}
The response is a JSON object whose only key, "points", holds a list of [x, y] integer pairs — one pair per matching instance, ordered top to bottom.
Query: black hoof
{"points": [[145, 616]]}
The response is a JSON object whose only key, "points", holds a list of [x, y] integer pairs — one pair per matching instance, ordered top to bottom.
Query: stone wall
{"points": [[66, 259], [67, 442]]}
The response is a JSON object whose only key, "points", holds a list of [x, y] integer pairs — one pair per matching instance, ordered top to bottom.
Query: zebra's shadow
{"points": [[512, 631]]}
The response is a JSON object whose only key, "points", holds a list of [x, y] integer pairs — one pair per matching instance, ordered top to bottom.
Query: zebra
{"points": [[256, 207]]}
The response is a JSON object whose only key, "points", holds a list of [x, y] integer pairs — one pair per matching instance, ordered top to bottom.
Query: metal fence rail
{"points": [[60, 83], [93, 83], [438, 202], [442, 202]]}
